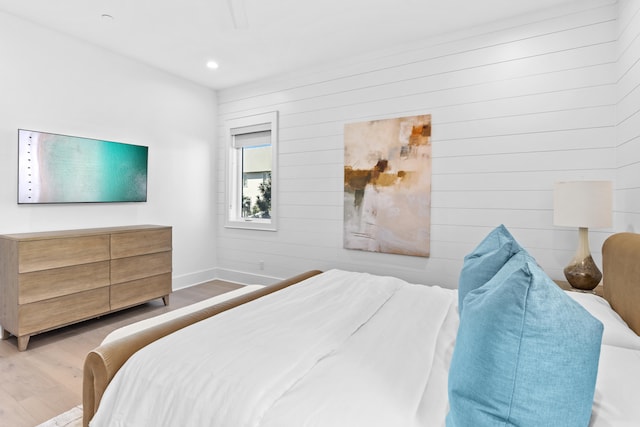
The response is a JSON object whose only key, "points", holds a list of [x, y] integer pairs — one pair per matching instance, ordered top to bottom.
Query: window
{"points": [[252, 161]]}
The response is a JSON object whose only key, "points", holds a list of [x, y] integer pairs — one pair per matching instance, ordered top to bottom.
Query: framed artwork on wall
{"points": [[387, 185]]}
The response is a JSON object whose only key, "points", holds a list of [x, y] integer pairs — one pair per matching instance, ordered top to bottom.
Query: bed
{"points": [[357, 349]]}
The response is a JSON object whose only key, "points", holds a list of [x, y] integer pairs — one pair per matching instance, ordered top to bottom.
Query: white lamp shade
{"points": [[583, 204]]}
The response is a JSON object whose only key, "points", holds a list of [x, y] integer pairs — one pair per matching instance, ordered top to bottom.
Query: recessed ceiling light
{"points": [[106, 17], [212, 64]]}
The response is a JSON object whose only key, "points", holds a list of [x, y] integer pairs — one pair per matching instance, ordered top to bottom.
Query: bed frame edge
{"points": [[102, 363]]}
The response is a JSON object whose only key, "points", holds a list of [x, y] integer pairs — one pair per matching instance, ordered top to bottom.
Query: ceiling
{"points": [[254, 39]]}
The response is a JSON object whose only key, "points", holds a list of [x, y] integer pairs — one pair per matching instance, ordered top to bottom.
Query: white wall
{"points": [[54, 83], [515, 106], [628, 118]]}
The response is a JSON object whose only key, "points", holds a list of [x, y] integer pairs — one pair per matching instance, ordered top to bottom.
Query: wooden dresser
{"points": [[52, 279]]}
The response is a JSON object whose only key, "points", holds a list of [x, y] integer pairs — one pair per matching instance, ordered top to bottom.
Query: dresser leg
{"points": [[165, 300], [5, 333], [23, 342]]}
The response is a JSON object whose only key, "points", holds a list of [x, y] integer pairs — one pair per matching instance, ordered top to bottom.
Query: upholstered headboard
{"points": [[621, 272]]}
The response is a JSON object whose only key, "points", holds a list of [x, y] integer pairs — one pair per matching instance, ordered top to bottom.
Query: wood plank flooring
{"points": [[46, 380]]}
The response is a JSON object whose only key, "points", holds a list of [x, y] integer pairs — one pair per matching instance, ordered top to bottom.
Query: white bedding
{"points": [[169, 315], [364, 347], [340, 349]]}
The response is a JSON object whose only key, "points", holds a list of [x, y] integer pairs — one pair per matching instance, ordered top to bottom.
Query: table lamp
{"points": [[583, 204]]}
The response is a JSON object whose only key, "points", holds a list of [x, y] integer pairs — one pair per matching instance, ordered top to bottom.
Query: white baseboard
{"points": [[245, 278], [192, 279]]}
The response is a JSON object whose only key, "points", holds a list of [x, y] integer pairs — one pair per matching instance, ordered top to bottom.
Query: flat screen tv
{"points": [[55, 168]]}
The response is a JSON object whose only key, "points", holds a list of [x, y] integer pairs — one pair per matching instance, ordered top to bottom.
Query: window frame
{"points": [[233, 197]]}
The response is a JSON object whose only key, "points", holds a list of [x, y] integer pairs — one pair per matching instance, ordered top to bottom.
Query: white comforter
{"points": [[341, 349]]}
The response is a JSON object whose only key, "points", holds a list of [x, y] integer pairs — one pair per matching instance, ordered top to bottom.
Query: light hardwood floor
{"points": [[46, 380]]}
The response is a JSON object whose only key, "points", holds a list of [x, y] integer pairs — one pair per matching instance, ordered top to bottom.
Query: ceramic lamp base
{"points": [[582, 272], [583, 275]]}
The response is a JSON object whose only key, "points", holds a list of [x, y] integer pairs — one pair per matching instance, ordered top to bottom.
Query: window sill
{"points": [[251, 225]]}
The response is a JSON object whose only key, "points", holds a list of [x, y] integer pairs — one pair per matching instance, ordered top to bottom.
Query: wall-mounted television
{"points": [[55, 168]]}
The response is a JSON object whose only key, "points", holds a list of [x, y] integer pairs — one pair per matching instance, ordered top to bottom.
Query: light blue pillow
{"points": [[485, 261], [526, 354]]}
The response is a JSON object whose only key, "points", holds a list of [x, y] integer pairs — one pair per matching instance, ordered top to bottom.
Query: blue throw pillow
{"points": [[485, 261], [526, 354]]}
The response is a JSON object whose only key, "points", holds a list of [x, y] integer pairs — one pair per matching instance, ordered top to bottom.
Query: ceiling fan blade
{"points": [[238, 14]]}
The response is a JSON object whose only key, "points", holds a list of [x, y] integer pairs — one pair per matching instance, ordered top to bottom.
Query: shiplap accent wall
{"points": [[515, 106], [628, 118]]}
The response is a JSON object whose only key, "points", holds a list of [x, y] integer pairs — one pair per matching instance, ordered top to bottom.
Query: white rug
{"points": [[71, 418]]}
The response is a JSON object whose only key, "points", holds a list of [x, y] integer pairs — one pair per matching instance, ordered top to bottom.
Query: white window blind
{"points": [[253, 139]]}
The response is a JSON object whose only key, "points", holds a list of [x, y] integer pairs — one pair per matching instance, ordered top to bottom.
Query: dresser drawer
{"points": [[140, 242], [35, 255], [138, 267], [50, 279], [46, 284], [138, 291], [51, 313]]}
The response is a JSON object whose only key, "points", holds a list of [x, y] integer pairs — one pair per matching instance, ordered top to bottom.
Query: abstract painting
{"points": [[387, 185]]}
